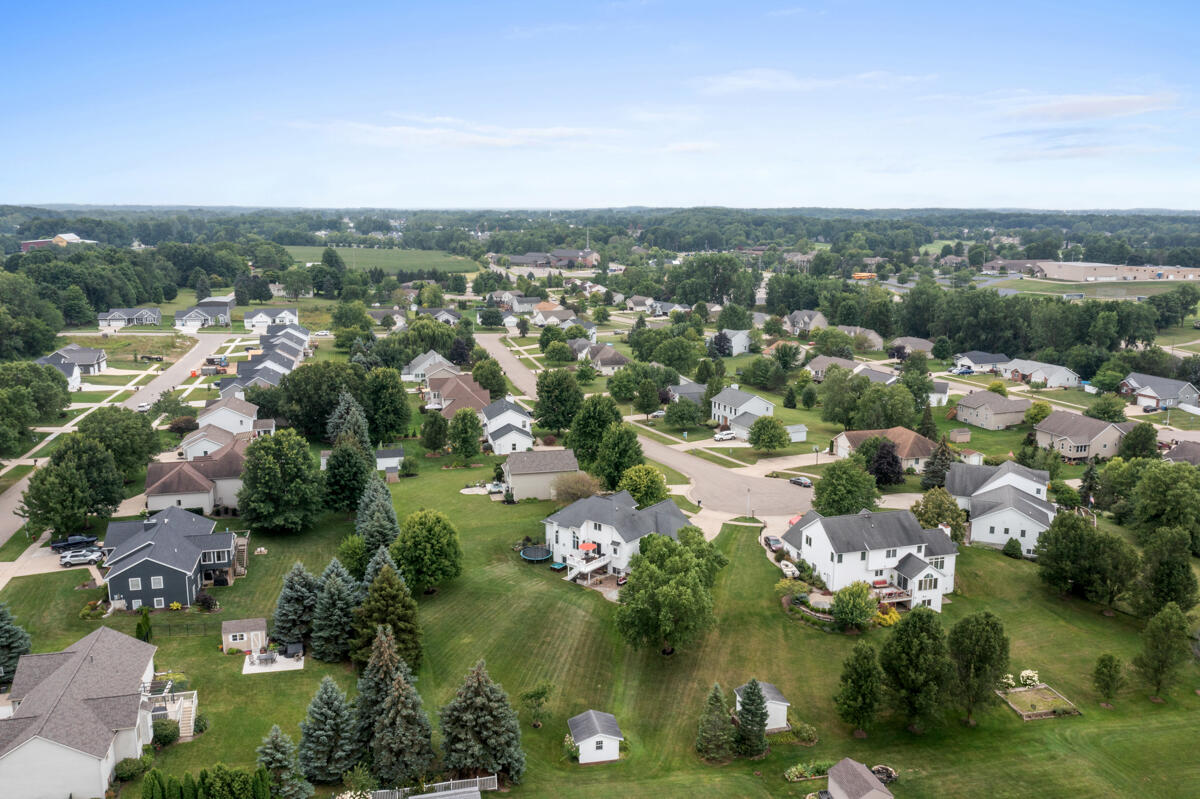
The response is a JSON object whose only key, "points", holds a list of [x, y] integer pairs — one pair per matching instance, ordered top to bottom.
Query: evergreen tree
{"points": [[789, 399], [348, 417], [926, 426], [433, 432], [936, 467], [347, 473], [1090, 484], [376, 520], [427, 550], [380, 559], [388, 602], [295, 606], [333, 616], [14, 642], [1164, 648], [979, 651], [915, 666], [1109, 676], [376, 679], [861, 691], [480, 731], [751, 736], [714, 738], [327, 742], [402, 747], [277, 755], [261, 786], [190, 789]]}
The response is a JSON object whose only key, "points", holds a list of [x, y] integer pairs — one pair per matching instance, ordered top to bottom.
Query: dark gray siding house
{"points": [[167, 558]]}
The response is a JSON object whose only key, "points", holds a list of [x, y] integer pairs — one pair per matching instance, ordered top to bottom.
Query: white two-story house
{"points": [[731, 403], [507, 427], [1005, 501], [600, 534], [888, 550]]}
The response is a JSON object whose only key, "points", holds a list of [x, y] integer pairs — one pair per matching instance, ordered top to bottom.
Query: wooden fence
{"points": [[489, 783]]}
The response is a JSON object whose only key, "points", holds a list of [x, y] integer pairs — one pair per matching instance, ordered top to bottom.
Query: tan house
{"points": [[863, 335], [819, 365], [990, 410], [1080, 437], [913, 449], [532, 474]]}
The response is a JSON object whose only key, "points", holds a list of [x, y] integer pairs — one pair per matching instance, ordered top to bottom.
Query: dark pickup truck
{"points": [[72, 542]]}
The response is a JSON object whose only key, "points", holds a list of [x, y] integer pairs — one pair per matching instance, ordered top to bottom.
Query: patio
{"points": [[261, 664]]}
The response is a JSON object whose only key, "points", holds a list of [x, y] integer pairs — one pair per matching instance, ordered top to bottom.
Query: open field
{"points": [[935, 247], [390, 260], [1114, 290], [121, 350], [1181, 420]]}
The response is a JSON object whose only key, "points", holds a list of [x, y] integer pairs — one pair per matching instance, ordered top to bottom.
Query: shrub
{"points": [[183, 424], [549, 440], [408, 468], [1012, 548], [780, 555], [786, 587], [206, 601], [176, 606], [887, 618], [233, 650], [1029, 677], [1007, 681], [200, 724], [166, 732], [805, 733], [570, 748], [132, 767], [802, 771]]}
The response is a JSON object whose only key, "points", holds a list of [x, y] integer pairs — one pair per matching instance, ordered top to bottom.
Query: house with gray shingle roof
{"points": [[798, 322], [90, 361], [1161, 392], [732, 403], [990, 410], [1078, 437], [615, 524], [905, 564], [76, 713], [597, 735], [849, 779]]}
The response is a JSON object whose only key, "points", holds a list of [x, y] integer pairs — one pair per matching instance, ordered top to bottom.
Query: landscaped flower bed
{"points": [[1038, 701]]}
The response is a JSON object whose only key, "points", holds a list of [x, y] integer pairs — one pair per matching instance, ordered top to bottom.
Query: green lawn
{"points": [[390, 260], [1109, 290], [1171, 336], [122, 349], [110, 380], [94, 396], [1076, 397], [1181, 420], [990, 442], [13, 475], [672, 476], [14, 546], [532, 627]]}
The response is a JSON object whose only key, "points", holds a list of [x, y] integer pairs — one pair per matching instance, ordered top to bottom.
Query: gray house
{"points": [[1161, 392], [166, 558]]}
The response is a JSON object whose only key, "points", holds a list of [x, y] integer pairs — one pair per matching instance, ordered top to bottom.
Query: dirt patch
{"points": [[1106, 706]]}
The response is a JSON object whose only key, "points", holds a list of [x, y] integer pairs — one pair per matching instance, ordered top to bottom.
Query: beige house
{"points": [[819, 365], [991, 411], [1080, 437], [913, 449], [532, 474]]}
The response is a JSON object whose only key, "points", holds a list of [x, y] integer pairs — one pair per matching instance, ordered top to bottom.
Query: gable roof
{"points": [[271, 313], [913, 343], [74, 353], [607, 355], [979, 356], [422, 362], [821, 363], [69, 369], [877, 376], [1163, 387], [461, 391], [734, 397], [996, 402], [232, 403], [502, 406], [1078, 428], [210, 432], [909, 444], [1185, 452], [543, 461], [198, 474], [964, 479], [1009, 497], [621, 512], [863, 531], [174, 540], [910, 566], [243, 626], [770, 692], [80, 696], [590, 723], [855, 780]]}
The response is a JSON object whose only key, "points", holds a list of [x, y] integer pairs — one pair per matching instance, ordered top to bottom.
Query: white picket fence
{"points": [[489, 783]]}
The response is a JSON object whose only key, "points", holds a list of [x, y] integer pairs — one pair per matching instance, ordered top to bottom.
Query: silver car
{"points": [[80, 557]]}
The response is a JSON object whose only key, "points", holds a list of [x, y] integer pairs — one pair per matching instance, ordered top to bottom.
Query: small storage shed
{"points": [[249, 635], [777, 705], [597, 735]]}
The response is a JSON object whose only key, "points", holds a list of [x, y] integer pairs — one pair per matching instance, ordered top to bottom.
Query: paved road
{"points": [[176, 373], [520, 374]]}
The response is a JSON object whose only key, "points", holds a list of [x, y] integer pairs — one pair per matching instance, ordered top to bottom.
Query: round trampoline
{"points": [[536, 554]]}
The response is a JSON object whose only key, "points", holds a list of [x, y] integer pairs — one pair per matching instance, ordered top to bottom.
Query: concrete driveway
{"points": [[176, 373], [41, 560]]}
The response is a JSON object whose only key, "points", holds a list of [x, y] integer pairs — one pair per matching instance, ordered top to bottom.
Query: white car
{"points": [[322, 333], [143, 407], [724, 435]]}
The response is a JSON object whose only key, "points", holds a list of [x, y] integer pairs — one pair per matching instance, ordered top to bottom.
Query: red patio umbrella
{"points": [[587, 546]]}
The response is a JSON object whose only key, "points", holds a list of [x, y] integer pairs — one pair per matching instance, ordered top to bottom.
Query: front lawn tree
{"points": [[488, 374], [559, 399], [646, 401], [1109, 408], [683, 414], [587, 428], [464, 433], [768, 434], [619, 450], [939, 463], [885, 465], [281, 484], [645, 484], [844, 488], [427, 550], [666, 602], [389, 603], [296, 605], [853, 606], [1164, 648], [979, 651], [915, 665], [1108, 678], [861, 691], [480, 730], [714, 737], [750, 738], [327, 741], [402, 746]]}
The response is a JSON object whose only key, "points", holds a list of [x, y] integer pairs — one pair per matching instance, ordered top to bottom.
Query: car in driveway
{"points": [[322, 333], [1149, 408], [660, 413], [724, 435], [803, 482], [72, 542], [773, 542], [81, 557]]}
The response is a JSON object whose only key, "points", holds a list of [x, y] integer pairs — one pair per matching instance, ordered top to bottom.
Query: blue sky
{"points": [[630, 102]]}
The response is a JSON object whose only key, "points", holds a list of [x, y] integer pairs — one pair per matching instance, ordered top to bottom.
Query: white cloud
{"points": [[765, 79], [1067, 107], [690, 147]]}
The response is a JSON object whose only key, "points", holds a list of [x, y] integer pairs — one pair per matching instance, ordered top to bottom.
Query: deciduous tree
{"points": [[488, 374], [558, 399], [683, 414], [587, 428], [434, 431], [464, 433], [768, 434], [129, 436], [619, 450], [281, 484], [645, 484], [844, 488], [938, 507], [427, 550], [1167, 575], [666, 602], [853, 606], [1164, 648], [979, 652], [915, 665], [1108, 678], [861, 691]]}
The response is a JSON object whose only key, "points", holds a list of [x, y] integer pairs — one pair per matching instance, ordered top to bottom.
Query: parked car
{"points": [[322, 333], [143, 407], [1149, 409], [660, 413], [724, 435], [803, 482], [72, 542], [773, 543], [80, 557]]}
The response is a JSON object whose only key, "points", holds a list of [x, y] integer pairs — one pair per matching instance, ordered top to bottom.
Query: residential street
{"points": [[178, 372], [520, 374]]}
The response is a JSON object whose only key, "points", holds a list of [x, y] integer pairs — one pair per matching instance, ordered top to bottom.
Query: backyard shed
{"points": [[249, 635], [777, 705], [597, 735]]}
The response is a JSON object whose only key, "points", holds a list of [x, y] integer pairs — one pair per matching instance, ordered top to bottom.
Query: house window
{"points": [[179, 502], [596, 526], [992, 530], [1006, 532], [1022, 534], [556, 536], [574, 540], [808, 540], [616, 548], [920, 548], [1029, 552], [891, 553], [862, 555], [831, 557], [839, 557], [938, 563], [879, 572], [156, 582], [135, 583], [927, 583], [159, 602], [927, 603], [135, 604], [235, 638], [599, 744]]}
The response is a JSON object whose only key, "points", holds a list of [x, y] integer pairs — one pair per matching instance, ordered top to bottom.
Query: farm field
{"points": [[390, 260]]}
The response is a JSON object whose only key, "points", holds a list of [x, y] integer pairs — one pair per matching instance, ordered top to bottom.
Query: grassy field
{"points": [[935, 248], [390, 260], [1116, 290], [122, 350], [113, 380], [1075, 397], [1181, 420], [990, 442], [672, 476], [9, 478], [14, 546]]}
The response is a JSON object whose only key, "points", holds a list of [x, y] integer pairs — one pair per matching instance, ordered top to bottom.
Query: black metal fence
{"points": [[180, 628]]}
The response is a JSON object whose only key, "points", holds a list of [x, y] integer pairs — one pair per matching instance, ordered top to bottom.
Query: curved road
{"points": [[714, 487]]}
